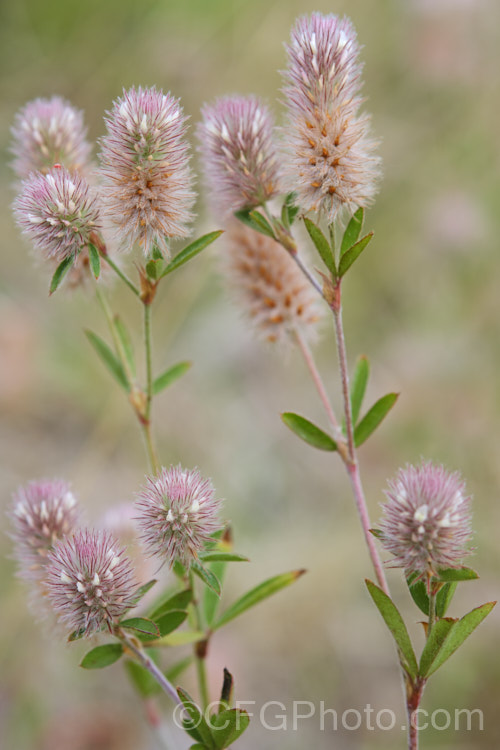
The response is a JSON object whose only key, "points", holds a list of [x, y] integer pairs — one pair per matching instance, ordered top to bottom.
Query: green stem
{"points": [[122, 275], [116, 339], [146, 420], [432, 609], [199, 649]]}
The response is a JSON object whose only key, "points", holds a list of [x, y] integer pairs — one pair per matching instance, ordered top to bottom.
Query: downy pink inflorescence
{"points": [[48, 132], [237, 152], [329, 158], [147, 182], [58, 212], [268, 287], [42, 513], [178, 513], [427, 519], [90, 581]]}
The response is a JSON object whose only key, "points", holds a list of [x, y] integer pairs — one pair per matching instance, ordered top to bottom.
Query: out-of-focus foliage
{"points": [[423, 305]]}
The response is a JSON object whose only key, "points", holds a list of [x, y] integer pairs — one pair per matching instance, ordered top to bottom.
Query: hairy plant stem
{"points": [[122, 275], [146, 419], [199, 649], [145, 660], [412, 704]]}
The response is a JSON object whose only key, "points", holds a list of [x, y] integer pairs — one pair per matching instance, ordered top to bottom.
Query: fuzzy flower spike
{"points": [[48, 132], [238, 157], [329, 158], [147, 182], [57, 212], [42, 513], [178, 513], [427, 519], [90, 581]]}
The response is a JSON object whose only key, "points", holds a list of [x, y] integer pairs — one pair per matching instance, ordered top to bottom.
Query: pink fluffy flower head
{"points": [[48, 132], [238, 156], [329, 158], [147, 182], [58, 212], [268, 287], [42, 513], [178, 513], [427, 519], [90, 581]]}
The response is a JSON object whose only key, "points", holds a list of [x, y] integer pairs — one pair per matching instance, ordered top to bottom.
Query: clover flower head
{"points": [[48, 132], [237, 152], [329, 155], [147, 182], [58, 212], [268, 287], [42, 513], [178, 513], [427, 519], [90, 581]]}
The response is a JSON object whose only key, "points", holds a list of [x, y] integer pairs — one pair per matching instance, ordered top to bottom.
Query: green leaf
{"points": [[290, 210], [256, 221], [352, 232], [322, 245], [191, 251], [156, 253], [353, 254], [94, 260], [153, 268], [60, 272], [125, 341], [108, 359], [170, 376], [358, 385], [374, 417], [308, 432], [219, 556], [457, 574], [206, 575], [142, 591], [418, 593], [256, 595], [444, 597], [210, 599], [177, 601], [171, 621], [141, 625], [396, 625], [457, 634], [76, 635], [182, 637], [434, 643], [102, 656], [174, 671], [143, 681], [228, 725], [196, 726]]}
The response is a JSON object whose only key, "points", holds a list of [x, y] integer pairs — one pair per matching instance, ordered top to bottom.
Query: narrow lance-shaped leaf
{"points": [[289, 211], [256, 221], [352, 232], [322, 245], [191, 251], [353, 254], [94, 260], [60, 272], [125, 341], [108, 358], [170, 376], [358, 385], [374, 417], [308, 432], [219, 556], [457, 574], [206, 575], [142, 591], [418, 593], [256, 595], [444, 597], [176, 601], [170, 621], [395, 623], [141, 625], [457, 634], [434, 643], [102, 656], [195, 725], [228, 725]]}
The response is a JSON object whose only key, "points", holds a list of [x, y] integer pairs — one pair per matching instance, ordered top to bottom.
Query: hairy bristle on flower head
{"points": [[48, 132], [237, 152], [329, 156], [147, 182], [57, 212], [268, 286], [42, 513], [178, 513], [427, 519], [90, 581]]}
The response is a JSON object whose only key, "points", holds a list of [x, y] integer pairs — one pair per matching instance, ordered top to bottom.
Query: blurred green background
{"points": [[423, 305]]}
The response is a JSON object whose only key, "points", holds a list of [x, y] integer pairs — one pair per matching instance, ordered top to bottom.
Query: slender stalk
{"points": [[298, 260], [122, 275], [112, 329], [344, 376], [146, 420], [432, 609], [199, 650], [145, 660], [412, 705]]}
